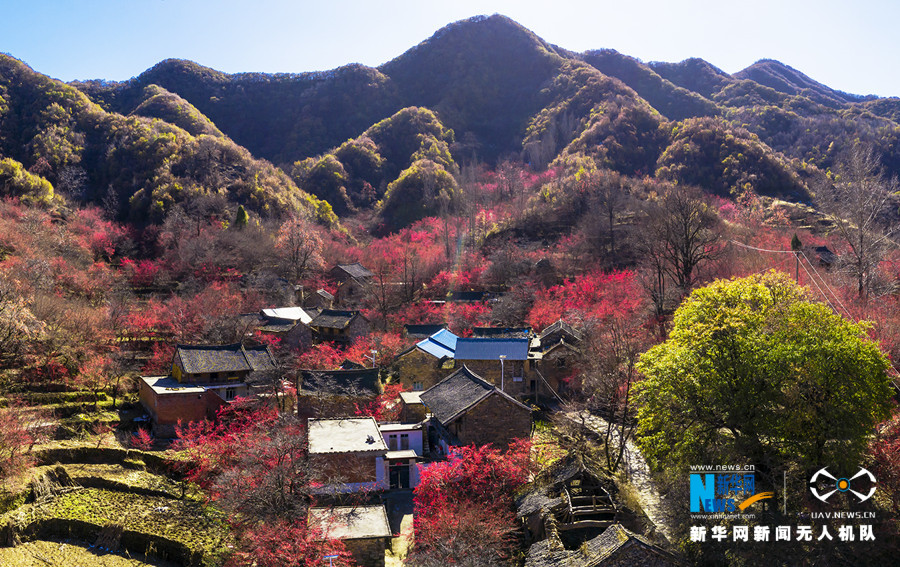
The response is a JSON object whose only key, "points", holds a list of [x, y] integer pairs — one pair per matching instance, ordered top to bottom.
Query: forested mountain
{"points": [[484, 89], [137, 167]]}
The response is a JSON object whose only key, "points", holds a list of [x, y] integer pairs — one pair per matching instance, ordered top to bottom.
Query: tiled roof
{"points": [[354, 270], [467, 295], [333, 319], [273, 325], [563, 328], [424, 331], [501, 332], [442, 344], [491, 349], [260, 358], [198, 359], [361, 382], [457, 393], [351, 435], [351, 522]]}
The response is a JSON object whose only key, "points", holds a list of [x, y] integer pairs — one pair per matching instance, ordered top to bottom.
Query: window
{"points": [[517, 378], [417, 386], [230, 393], [404, 441], [392, 442]]}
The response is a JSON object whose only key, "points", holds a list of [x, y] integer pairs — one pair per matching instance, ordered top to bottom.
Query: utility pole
{"points": [[796, 246], [502, 358]]}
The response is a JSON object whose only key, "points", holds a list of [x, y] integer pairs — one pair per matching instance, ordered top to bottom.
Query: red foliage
{"points": [[596, 296], [323, 356], [327, 356], [161, 360], [386, 406], [15, 440], [142, 440], [211, 447], [471, 494], [287, 544]]}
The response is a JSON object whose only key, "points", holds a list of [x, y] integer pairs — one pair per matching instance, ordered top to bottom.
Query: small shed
{"points": [[365, 530]]}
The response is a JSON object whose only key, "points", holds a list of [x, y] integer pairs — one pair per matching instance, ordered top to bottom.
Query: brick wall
{"points": [[495, 420]]}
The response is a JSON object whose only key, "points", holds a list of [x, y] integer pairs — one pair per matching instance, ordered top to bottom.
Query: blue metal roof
{"points": [[440, 345], [491, 349]]}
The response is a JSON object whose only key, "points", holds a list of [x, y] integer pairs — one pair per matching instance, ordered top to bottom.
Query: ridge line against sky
{"points": [[852, 50]]}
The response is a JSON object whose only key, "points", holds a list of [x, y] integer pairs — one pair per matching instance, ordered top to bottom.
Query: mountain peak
{"points": [[785, 79]]}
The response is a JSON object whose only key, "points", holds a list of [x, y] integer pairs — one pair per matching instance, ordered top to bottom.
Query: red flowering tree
{"points": [[386, 406], [253, 463], [464, 505], [287, 544]]}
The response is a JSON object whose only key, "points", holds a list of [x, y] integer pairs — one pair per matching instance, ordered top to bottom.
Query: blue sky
{"points": [[855, 50]]}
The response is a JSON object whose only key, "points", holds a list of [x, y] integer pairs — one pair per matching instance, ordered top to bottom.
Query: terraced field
{"points": [[123, 504]]}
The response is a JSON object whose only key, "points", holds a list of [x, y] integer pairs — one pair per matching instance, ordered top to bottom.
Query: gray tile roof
{"points": [[354, 270], [333, 319], [560, 329], [423, 331], [501, 332], [491, 349], [199, 359], [360, 382], [459, 392]]}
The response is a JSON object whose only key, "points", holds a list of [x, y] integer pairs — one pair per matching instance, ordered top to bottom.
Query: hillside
{"points": [[484, 89], [138, 167]]}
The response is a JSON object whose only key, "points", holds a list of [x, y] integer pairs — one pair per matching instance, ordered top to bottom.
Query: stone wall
{"points": [[419, 366], [495, 420], [368, 552]]}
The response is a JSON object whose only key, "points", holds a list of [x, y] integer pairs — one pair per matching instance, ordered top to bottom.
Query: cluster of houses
{"points": [[456, 391]]}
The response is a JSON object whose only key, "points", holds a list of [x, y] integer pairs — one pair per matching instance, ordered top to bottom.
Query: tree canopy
{"points": [[754, 370]]}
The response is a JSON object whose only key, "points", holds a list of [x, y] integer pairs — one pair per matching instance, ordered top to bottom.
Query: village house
{"points": [[354, 284], [318, 299], [288, 324], [332, 325], [422, 331], [557, 351], [427, 362], [503, 362], [511, 363], [203, 379], [336, 393], [412, 409], [467, 409], [407, 443], [347, 455], [364, 530]]}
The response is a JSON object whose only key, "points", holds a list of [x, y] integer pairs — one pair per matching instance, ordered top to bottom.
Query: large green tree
{"points": [[754, 371]]}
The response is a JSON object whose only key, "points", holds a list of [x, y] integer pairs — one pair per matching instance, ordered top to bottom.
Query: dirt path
{"points": [[638, 473], [400, 516]]}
